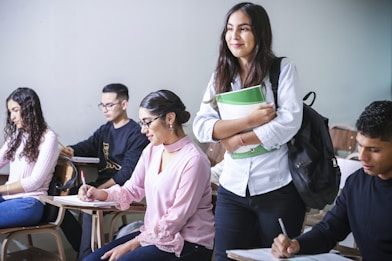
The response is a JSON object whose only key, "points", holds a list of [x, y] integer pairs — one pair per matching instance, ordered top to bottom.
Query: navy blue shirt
{"points": [[118, 151], [363, 208]]}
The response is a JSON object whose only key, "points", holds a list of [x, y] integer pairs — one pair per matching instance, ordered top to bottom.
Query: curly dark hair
{"points": [[260, 62], [376, 121], [33, 124]]}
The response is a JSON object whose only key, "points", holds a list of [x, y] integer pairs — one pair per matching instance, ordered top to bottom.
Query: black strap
{"points": [[274, 77], [307, 97], [70, 183]]}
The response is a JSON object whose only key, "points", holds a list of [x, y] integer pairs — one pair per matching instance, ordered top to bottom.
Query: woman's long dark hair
{"points": [[228, 67], [33, 124]]}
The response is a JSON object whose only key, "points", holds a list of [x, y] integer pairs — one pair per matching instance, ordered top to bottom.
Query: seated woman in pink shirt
{"points": [[31, 150], [173, 173]]}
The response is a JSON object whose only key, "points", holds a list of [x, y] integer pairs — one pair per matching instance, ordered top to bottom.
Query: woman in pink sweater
{"points": [[31, 150], [173, 173]]}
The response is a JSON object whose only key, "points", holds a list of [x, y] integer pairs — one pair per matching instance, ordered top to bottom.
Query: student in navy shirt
{"points": [[118, 144], [364, 206]]}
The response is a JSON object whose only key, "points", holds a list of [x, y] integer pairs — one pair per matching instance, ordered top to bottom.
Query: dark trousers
{"points": [[237, 219], [71, 227], [72, 230], [78, 236], [85, 245], [190, 252]]}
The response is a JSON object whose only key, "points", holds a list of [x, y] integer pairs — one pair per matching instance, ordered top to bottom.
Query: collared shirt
{"points": [[269, 171]]}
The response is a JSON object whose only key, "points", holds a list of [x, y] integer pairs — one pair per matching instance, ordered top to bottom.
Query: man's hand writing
{"points": [[284, 247]]}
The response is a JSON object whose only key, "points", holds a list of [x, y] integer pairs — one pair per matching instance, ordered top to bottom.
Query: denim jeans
{"points": [[20, 212], [252, 221], [190, 252]]}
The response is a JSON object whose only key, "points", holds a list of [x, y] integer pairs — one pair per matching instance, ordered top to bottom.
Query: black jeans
{"points": [[238, 219]]}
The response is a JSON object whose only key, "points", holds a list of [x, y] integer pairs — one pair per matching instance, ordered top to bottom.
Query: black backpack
{"points": [[312, 162]]}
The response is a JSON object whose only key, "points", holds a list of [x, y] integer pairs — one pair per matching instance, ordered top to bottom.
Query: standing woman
{"points": [[32, 151], [173, 173], [257, 189]]}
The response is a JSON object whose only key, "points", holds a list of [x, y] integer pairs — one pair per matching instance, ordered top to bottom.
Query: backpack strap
{"points": [[274, 77], [307, 96], [71, 182]]}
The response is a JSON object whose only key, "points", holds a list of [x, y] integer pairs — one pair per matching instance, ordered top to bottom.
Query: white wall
{"points": [[67, 50]]}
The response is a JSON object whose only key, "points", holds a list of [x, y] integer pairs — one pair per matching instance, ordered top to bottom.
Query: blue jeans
{"points": [[20, 212], [252, 221], [190, 252]]}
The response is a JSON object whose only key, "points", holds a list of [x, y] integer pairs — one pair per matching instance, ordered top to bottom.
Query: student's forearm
{"points": [[227, 128], [249, 138], [12, 188]]}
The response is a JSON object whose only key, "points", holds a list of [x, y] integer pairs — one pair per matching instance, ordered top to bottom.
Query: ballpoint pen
{"points": [[84, 182], [283, 227]]}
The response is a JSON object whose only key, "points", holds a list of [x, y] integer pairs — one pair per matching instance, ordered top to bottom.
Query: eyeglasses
{"points": [[107, 106], [147, 124]]}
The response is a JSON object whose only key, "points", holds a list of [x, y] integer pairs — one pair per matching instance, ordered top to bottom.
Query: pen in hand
{"points": [[61, 145], [84, 182], [283, 228]]}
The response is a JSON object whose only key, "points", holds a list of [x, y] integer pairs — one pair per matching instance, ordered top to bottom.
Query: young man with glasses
{"points": [[118, 144]]}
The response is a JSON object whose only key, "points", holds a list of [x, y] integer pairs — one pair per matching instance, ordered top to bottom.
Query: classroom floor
{"points": [[44, 241], [47, 242]]}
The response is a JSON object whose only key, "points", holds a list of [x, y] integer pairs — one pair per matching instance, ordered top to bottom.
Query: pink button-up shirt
{"points": [[178, 198]]}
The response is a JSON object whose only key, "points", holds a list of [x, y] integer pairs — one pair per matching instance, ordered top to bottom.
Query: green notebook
{"points": [[237, 104]]}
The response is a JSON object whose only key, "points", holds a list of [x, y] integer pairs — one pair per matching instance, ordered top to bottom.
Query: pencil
{"points": [[61, 145]]}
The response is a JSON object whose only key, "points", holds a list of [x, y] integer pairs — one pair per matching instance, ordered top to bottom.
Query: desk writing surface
{"points": [[85, 159], [347, 167], [73, 200], [264, 254]]}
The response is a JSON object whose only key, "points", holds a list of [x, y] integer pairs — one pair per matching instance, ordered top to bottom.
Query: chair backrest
{"points": [[343, 139], [215, 152], [67, 173], [65, 177]]}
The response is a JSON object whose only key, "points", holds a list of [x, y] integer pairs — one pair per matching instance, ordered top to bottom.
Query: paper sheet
{"points": [[73, 200], [264, 254]]}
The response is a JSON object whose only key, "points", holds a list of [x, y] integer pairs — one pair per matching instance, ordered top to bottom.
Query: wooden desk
{"points": [[97, 232]]}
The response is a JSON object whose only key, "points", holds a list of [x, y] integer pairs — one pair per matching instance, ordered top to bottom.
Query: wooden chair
{"points": [[343, 139], [215, 152], [64, 171]]}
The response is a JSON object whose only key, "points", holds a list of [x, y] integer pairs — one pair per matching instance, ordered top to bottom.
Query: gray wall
{"points": [[67, 50]]}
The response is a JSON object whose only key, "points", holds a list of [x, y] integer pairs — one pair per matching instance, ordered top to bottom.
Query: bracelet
{"points": [[243, 143]]}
